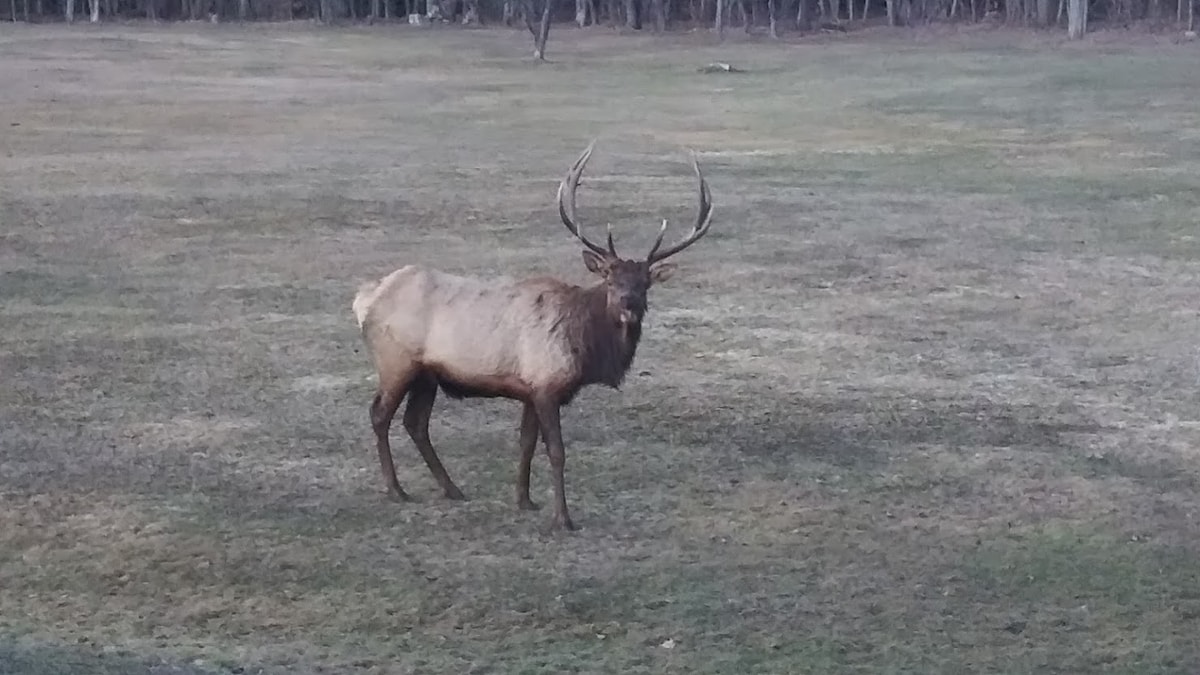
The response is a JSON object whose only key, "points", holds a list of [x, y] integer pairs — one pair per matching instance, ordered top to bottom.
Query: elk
{"points": [[538, 341]]}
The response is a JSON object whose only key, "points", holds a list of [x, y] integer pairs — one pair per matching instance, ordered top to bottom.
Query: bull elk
{"points": [[538, 341]]}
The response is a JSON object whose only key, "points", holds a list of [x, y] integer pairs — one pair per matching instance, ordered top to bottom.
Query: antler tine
{"points": [[566, 202], [703, 221], [662, 231]]}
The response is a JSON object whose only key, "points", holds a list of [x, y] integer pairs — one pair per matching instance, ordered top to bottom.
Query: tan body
{"points": [[493, 337], [538, 341]]}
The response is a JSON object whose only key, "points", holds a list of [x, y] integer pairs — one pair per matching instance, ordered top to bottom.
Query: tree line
{"points": [[772, 17]]}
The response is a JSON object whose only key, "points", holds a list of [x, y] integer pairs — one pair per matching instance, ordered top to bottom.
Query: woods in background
{"points": [[770, 16]]}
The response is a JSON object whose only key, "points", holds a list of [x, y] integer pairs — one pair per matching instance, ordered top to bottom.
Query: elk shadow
{"points": [[857, 429], [66, 658]]}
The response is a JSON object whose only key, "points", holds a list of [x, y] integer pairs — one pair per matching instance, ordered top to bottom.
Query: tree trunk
{"points": [[69, 10], [95, 10], [326, 11], [891, 12], [581, 13], [1043, 13], [1115, 13], [806, 14], [633, 17], [660, 17], [773, 19], [1076, 19], [747, 21], [719, 22], [543, 30], [540, 32]]}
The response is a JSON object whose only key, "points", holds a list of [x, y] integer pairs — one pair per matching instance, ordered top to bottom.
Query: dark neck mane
{"points": [[605, 348]]}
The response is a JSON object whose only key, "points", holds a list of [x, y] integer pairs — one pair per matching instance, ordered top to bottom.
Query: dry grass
{"points": [[924, 401]]}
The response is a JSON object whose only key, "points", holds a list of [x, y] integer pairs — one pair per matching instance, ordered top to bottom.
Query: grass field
{"points": [[925, 400]]}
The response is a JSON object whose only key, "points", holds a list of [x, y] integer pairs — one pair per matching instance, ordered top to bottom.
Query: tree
{"points": [[658, 10], [470, 13], [1043, 13], [806, 14], [633, 15], [1077, 18], [541, 31]]}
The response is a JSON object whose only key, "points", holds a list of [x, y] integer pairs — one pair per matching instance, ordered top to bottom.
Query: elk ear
{"points": [[595, 262], [661, 272]]}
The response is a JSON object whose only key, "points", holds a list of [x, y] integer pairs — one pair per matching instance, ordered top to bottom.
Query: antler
{"points": [[566, 203], [703, 220]]}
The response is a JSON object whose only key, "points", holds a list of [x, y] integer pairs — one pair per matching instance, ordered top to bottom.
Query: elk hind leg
{"points": [[421, 396], [383, 410], [527, 444]]}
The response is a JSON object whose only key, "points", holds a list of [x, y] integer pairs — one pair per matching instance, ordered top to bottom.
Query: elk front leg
{"points": [[548, 415], [527, 444]]}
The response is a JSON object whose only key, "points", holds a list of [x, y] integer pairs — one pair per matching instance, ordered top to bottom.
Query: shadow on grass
{"points": [[862, 431], [19, 658]]}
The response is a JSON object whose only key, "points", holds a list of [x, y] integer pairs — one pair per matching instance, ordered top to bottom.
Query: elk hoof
{"points": [[452, 492], [399, 496], [528, 504], [564, 523]]}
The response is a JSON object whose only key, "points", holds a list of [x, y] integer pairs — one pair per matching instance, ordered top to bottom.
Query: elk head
{"points": [[627, 281]]}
